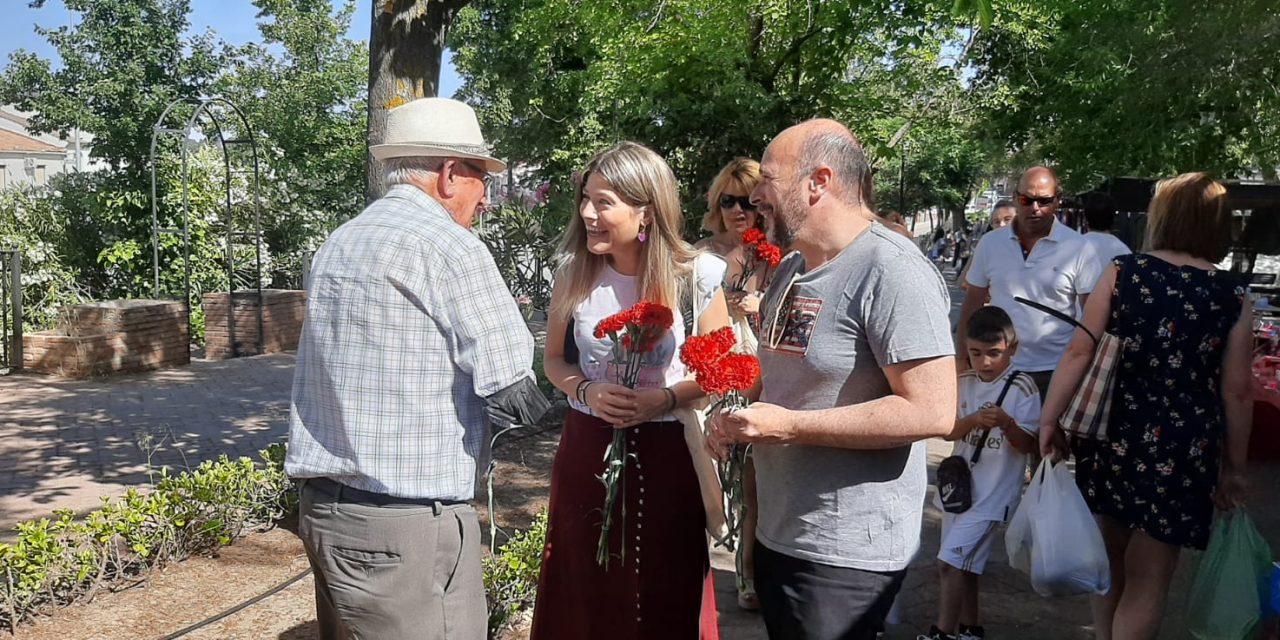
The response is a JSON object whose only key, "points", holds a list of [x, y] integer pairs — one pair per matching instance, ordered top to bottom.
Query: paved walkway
{"points": [[63, 443]]}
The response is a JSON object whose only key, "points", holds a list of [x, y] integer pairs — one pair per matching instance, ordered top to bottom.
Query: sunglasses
{"points": [[480, 173], [1026, 200], [727, 201]]}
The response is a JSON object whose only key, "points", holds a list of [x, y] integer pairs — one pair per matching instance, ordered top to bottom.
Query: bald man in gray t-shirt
{"points": [[857, 367]]}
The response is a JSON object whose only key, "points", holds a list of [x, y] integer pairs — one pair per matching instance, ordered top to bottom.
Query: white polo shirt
{"points": [[1105, 247], [1060, 267]]}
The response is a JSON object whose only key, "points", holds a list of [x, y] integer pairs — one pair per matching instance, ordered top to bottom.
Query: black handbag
{"points": [[955, 473]]}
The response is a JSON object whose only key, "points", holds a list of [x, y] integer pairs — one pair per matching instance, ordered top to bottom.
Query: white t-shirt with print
{"points": [[1060, 268], [613, 293], [997, 478]]}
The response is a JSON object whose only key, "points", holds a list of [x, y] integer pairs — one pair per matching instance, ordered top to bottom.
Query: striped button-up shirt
{"points": [[409, 327]]}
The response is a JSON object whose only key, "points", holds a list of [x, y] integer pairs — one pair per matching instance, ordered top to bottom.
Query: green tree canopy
{"points": [[122, 62], [701, 81], [1140, 87]]}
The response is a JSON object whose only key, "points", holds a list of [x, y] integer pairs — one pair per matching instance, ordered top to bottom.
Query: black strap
{"points": [[1057, 314], [570, 343], [982, 441]]}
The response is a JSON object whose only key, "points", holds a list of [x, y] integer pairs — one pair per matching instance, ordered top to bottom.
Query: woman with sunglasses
{"points": [[729, 214], [623, 246]]}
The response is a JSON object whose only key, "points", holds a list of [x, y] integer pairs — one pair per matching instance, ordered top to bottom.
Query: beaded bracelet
{"points": [[671, 397]]}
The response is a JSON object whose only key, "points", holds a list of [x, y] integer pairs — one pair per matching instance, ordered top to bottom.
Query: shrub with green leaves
{"points": [[31, 224], [523, 242], [60, 560], [511, 575]]}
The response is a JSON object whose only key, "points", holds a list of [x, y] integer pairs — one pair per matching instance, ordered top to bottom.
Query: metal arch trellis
{"points": [[207, 112]]}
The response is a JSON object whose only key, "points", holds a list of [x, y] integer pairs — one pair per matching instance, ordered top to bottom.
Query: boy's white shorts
{"points": [[966, 541]]}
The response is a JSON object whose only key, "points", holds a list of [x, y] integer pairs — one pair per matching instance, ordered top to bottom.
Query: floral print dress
{"points": [[1159, 466]]}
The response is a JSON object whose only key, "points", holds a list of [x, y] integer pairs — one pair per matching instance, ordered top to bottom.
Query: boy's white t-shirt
{"points": [[998, 476]]}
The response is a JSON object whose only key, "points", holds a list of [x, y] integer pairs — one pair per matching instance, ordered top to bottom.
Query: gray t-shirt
{"points": [[826, 334]]}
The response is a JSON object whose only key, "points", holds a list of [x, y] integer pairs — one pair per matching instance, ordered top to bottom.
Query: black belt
{"points": [[352, 495]]}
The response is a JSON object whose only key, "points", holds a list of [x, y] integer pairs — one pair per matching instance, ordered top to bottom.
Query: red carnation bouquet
{"points": [[757, 252], [634, 332], [725, 376]]}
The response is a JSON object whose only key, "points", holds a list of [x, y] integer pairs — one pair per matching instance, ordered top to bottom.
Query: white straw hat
{"points": [[435, 128]]}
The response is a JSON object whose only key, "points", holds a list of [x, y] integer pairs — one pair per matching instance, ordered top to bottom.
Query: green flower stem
{"points": [[730, 473], [614, 477]]}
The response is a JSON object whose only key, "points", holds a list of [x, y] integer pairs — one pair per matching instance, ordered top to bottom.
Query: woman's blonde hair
{"points": [[742, 173], [642, 179], [1189, 213]]}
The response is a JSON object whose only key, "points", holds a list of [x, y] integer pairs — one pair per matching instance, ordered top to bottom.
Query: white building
{"points": [[28, 158]]}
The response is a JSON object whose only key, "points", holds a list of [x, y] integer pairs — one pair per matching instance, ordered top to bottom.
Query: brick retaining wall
{"points": [[281, 322], [111, 337]]}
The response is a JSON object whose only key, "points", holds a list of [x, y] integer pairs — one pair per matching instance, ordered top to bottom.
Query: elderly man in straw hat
{"points": [[412, 345]]}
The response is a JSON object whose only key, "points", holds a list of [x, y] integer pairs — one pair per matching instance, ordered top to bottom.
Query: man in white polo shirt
{"points": [[1037, 258]]}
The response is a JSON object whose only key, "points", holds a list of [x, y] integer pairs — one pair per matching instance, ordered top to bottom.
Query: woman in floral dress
{"points": [[1181, 414]]}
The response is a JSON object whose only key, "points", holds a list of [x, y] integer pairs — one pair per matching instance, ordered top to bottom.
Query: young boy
{"points": [[1009, 431]]}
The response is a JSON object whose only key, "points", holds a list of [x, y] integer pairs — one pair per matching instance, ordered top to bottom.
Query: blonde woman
{"points": [[729, 214], [624, 246], [1181, 413]]}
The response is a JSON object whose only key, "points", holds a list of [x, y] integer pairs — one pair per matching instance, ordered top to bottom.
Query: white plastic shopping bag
{"points": [[1017, 536], [1054, 537]]}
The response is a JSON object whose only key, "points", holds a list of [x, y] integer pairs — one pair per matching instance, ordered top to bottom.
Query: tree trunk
{"points": [[406, 42]]}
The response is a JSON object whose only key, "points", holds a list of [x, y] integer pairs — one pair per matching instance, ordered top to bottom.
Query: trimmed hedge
{"points": [[66, 559]]}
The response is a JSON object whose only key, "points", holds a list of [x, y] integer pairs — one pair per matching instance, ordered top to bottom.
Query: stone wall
{"points": [[282, 316], [115, 336]]}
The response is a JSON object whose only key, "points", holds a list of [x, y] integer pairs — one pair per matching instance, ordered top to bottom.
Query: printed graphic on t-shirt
{"points": [[797, 321], [653, 364], [995, 439]]}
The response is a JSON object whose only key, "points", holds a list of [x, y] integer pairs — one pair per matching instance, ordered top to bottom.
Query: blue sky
{"points": [[233, 20]]}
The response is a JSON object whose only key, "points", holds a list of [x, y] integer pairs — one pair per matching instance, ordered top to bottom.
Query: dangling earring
{"points": [[642, 236]]}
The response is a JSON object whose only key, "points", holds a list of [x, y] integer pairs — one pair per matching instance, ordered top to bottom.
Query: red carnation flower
{"points": [[753, 236], [769, 254], [652, 314], [614, 323], [724, 339], [705, 351], [740, 371], [734, 372], [711, 381]]}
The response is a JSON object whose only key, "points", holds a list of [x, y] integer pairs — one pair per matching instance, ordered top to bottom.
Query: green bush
{"points": [[31, 224], [523, 243], [64, 559], [511, 575]]}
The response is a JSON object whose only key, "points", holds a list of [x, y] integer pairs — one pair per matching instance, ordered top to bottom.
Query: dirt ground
{"points": [[194, 590]]}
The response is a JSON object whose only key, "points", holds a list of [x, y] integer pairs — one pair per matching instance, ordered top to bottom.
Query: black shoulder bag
{"points": [[955, 474]]}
